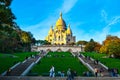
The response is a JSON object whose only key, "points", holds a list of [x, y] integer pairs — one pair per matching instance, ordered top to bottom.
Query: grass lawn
{"points": [[8, 60], [61, 61], [110, 62]]}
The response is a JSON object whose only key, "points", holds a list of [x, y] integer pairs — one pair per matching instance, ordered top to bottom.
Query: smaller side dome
{"points": [[51, 30], [69, 32]]}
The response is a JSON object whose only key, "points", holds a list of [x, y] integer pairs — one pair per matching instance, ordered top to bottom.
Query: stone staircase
{"points": [[92, 63], [19, 69]]}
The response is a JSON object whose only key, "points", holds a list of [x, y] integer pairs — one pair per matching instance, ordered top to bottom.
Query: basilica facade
{"points": [[60, 34]]}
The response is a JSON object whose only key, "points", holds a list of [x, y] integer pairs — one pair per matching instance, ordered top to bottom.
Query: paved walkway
{"points": [[19, 69], [56, 78]]}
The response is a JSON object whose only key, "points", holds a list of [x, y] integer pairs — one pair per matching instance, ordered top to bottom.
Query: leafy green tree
{"points": [[6, 15], [6, 26], [12, 38], [26, 39], [33, 41], [44, 42], [81, 43], [92, 46], [111, 46], [97, 47]]}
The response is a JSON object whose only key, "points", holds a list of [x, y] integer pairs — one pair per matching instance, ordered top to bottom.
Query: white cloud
{"points": [[67, 5]]}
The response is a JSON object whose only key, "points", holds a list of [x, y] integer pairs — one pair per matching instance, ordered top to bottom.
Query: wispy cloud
{"points": [[67, 5], [104, 16], [114, 20], [41, 25], [108, 27], [41, 29], [100, 35]]}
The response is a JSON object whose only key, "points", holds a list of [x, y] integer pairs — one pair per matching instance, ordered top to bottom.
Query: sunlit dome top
{"points": [[60, 24]]}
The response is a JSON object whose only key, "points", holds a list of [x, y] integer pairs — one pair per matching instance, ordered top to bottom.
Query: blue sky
{"points": [[88, 18]]}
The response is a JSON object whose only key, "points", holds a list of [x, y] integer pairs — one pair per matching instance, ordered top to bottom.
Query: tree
{"points": [[6, 15], [26, 37], [12, 38], [7, 40], [33, 41], [42, 42], [46, 42], [82, 43], [92, 46], [111, 46], [97, 47]]}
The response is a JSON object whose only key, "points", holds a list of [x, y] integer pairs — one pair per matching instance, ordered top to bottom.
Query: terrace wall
{"points": [[58, 48]]}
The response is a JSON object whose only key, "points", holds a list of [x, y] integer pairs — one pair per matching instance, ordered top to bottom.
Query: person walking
{"points": [[96, 71], [8, 72], [52, 72], [69, 74], [72, 74]]}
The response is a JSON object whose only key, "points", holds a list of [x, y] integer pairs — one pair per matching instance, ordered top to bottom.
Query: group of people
{"points": [[55, 55], [99, 72], [113, 72], [61, 73], [70, 73], [87, 74]]}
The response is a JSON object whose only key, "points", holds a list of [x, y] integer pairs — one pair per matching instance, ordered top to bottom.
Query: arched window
{"points": [[59, 38]]}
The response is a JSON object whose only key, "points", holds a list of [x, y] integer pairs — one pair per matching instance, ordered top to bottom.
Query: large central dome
{"points": [[60, 24]]}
